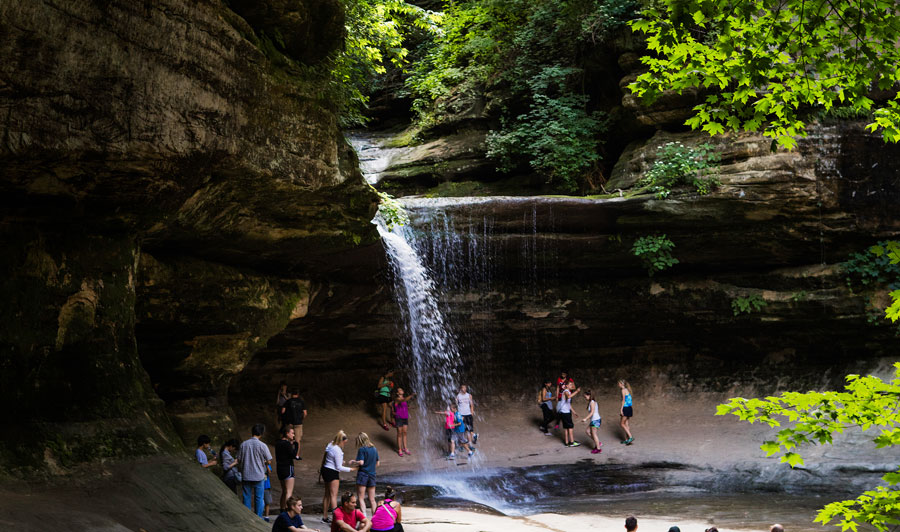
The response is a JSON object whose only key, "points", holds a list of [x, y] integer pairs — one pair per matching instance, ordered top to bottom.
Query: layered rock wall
{"points": [[153, 158]]}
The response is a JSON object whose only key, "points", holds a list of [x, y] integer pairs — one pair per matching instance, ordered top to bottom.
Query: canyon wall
{"points": [[169, 197]]}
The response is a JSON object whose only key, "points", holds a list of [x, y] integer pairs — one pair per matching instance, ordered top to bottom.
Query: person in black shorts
{"points": [[292, 414], [285, 451]]}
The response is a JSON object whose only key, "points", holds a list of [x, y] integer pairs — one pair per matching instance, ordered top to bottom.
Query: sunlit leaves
{"points": [[375, 39], [771, 61], [866, 403]]}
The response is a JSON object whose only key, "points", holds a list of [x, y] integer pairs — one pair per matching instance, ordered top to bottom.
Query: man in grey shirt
{"points": [[253, 458]]}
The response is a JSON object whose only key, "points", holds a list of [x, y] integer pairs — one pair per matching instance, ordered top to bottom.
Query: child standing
{"points": [[545, 401], [626, 411], [565, 414], [401, 418], [594, 426], [455, 429]]}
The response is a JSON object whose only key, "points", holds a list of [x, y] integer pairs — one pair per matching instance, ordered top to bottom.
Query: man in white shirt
{"points": [[467, 410]]}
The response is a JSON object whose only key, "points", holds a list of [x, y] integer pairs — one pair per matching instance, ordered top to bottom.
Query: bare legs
{"points": [[624, 424], [592, 433], [402, 442], [287, 489], [362, 492], [329, 500]]}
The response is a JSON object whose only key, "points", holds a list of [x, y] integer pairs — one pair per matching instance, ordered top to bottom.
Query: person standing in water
{"points": [[383, 396], [545, 401], [467, 411], [626, 411], [565, 414], [401, 419], [594, 426]]}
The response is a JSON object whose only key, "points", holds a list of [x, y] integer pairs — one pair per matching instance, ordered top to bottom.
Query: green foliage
{"points": [[376, 31], [527, 56], [764, 64], [556, 136], [677, 165], [390, 210], [891, 250], [655, 252], [877, 268], [799, 296], [747, 305], [815, 417]]}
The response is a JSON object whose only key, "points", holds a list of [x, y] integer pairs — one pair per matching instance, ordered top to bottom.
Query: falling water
{"points": [[435, 358]]}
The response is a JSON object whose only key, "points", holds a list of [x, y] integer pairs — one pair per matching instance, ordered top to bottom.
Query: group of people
{"points": [[564, 392], [459, 416], [631, 525]]}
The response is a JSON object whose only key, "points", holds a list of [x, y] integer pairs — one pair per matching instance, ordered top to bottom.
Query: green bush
{"points": [[527, 57], [677, 165], [391, 210], [655, 253], [747, 304]]}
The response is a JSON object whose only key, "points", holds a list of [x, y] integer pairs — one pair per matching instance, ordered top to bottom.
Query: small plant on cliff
{"points": [[677, 165], [391, 210], [655, 252], [877, 269], [747, 305], [815, 417]]}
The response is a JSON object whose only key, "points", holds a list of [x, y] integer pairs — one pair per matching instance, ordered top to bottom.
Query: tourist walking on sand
{"points": [[562, 383], [383, 396], [545, 401], [467, 410], [626, 411], [293, 412], [565, 414], [401, 420], [594, 425], [285, 451], [367, 458], [253, 460], [229, 463], [332, 465], [387, 515]]}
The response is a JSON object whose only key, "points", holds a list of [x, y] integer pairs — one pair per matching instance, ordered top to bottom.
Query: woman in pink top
{"points": [[401, 418], [387, 516]]}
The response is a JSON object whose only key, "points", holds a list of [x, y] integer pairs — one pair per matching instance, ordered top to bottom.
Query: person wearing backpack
{"points": [[292, 414]]}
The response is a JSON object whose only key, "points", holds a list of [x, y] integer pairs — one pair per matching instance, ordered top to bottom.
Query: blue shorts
{"points": [[627, 411], [596, 423], [365, 479]]}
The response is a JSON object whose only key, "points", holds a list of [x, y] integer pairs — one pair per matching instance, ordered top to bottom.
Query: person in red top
{"points": [[561, 384], [347, 518]]}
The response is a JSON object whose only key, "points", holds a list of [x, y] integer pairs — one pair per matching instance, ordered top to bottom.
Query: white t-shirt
{"points": [[464, 402], [565, 403], [596, 415]]}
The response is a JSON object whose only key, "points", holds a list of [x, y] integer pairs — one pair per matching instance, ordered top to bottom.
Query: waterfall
{"points": [[435, 359]]}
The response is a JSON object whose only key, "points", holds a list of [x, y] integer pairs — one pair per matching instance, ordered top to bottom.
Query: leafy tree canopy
{"points": [[528, 57], [764, 64], [815, 417]]}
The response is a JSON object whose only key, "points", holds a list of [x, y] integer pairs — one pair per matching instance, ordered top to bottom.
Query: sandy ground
{"points": [[667, 430], [172, 493]]}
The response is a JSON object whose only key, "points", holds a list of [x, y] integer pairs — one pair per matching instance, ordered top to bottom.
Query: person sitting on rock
{"points": [[203, 444], [347, 518]]}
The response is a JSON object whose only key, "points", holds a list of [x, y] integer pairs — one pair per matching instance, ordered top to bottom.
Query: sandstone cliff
{"points": [[154, 159]]}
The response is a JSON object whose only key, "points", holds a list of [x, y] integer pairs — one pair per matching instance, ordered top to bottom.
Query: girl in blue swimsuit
{"points": [[626, 411]]}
